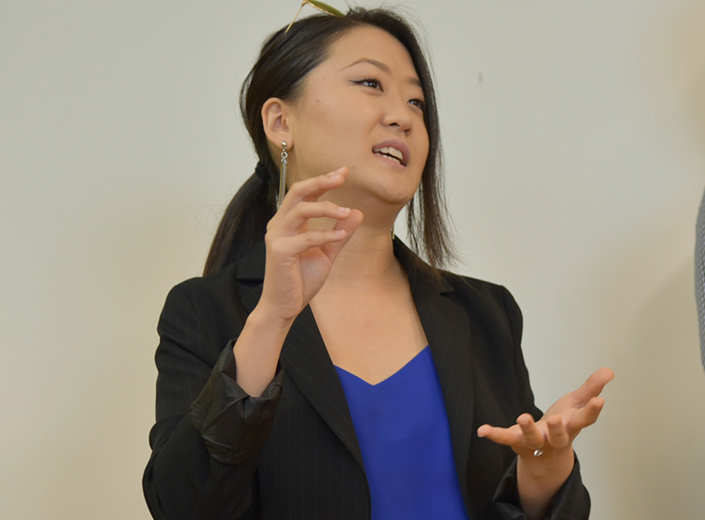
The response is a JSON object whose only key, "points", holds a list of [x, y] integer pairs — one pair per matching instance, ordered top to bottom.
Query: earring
{"points": [[282, 176]]}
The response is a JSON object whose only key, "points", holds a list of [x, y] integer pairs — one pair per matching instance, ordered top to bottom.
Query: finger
{"points": [[311, 189], [293, 220], [349, 225], [298, 244], [594, 385], [587, 415], [557, 433], [504, 436], [533, 437]]}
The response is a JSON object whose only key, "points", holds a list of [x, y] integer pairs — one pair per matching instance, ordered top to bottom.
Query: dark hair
{"points": [[283, 64]]}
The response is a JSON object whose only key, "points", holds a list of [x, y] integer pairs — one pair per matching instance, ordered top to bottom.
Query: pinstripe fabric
{"points": [[700, 275], [448, 330], [310, 466]]}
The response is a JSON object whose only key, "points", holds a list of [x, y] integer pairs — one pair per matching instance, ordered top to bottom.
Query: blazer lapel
{"points": [[448, 331], [304, 357], [306, 360]]}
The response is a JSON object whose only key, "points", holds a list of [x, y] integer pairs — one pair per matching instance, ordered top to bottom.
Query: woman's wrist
{"points": [[268, 322], [257, 350], [551, 465], [540, 478]]}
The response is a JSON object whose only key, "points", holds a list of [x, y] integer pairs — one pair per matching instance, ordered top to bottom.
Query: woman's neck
{"points": [[369, 254], [367, 258]]}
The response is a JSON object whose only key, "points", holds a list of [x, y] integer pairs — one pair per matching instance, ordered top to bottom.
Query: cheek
{"points": [[324, 118], [323, 139], [424, 143]]}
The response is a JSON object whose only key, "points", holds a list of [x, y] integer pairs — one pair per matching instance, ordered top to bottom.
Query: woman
{"points": [[320, 369]]}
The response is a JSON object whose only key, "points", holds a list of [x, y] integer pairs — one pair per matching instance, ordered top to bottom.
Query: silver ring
{"points": [[538, 451]]}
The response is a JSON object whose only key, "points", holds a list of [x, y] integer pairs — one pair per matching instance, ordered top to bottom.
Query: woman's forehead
{"points": [[372, 46]]}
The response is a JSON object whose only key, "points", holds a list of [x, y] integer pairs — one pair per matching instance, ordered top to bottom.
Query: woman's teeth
{"points": [[392, 153]]}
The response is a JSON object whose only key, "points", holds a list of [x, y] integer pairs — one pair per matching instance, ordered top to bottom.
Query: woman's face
{"points": [[362, 107]]}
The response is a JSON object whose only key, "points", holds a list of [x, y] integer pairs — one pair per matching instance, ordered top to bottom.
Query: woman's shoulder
{"points": [[249, 268], [216, 282], [464, 282], [467, 290], [482, 296], [206, 298], [210, 304]]}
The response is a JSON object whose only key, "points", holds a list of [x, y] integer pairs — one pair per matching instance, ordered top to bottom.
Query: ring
{"points": [[538, 451]]}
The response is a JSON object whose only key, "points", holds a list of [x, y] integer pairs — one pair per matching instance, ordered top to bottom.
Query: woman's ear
{"points": [[276, 119]]}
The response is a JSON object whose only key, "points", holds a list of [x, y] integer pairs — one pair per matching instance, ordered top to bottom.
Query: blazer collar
{"points": [[447, 327]]}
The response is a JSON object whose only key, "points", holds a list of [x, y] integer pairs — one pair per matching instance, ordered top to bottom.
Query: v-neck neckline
{"points": [[390, 377]]}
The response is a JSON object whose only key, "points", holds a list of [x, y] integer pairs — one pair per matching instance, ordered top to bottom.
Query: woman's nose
{"points": [[398, 114]]}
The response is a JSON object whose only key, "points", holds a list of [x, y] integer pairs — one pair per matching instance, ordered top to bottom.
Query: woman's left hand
{"points": [[553, 434], [545, 448]]}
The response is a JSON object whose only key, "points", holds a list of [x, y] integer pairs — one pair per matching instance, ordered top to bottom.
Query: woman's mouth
{"points": [[395, 153]]}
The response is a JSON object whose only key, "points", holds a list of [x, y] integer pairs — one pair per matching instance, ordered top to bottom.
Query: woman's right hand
{"points": [[299, 259], [298, 262]]}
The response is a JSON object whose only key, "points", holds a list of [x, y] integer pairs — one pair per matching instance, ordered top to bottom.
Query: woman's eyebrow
{"points": [[383, 67]]}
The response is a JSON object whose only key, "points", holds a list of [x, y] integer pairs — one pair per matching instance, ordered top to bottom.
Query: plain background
{"points": [[574, 137]]}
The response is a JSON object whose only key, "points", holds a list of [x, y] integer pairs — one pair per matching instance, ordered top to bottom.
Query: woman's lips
{"points": [[393, 151]]}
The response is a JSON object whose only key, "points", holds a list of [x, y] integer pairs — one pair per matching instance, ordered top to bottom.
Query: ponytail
{"points": [[245, 221]]}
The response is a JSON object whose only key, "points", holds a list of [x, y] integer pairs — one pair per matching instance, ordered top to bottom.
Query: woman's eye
{"points": [[370, 82], [418, 103]]}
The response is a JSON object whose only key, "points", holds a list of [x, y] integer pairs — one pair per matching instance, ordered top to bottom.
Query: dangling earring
{"points": [[282, 176]]}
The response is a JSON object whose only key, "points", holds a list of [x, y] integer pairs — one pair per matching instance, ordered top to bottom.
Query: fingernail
{"points": [[337, 173], [343, 211]]}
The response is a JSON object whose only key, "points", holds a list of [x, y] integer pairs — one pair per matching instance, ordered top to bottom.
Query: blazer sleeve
{"points": [[208, 432], [571, 501]]}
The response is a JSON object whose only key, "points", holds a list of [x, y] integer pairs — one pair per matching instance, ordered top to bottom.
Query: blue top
{"points": [[402, 428]]}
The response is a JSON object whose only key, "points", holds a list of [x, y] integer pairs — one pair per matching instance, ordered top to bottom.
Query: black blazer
{"points": [[293, 453]]}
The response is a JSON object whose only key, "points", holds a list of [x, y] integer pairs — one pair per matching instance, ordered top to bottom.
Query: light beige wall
{"points": [[575, 151]]}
